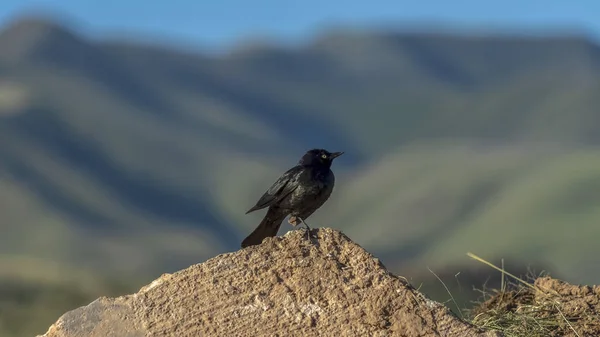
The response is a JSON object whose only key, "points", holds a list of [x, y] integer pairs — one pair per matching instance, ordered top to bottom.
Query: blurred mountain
{"points": [[137, 159]]}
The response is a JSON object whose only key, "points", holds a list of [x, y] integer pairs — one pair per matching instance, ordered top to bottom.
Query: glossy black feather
{"points": [[285, 185], [299, 192]]}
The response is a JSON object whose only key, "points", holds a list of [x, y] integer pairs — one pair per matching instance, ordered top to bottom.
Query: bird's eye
{"points": [[324, 156]]}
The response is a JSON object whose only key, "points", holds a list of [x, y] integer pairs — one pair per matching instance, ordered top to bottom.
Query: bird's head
{"points": [[319, 157]]}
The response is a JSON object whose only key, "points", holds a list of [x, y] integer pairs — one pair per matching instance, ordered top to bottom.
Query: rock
{"points": [[284, 287]]}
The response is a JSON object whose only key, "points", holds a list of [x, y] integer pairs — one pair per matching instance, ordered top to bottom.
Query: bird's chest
{"points": [[322, 180], [319, 185]]}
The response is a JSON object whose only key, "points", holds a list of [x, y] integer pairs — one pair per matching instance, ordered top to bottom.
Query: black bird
{"points": [[299, 192]]}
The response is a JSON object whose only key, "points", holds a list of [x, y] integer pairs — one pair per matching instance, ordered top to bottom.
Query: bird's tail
{"points": [[268, 227]]}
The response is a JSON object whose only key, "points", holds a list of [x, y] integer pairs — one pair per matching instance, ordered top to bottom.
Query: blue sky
{"points": [[219, 23]]}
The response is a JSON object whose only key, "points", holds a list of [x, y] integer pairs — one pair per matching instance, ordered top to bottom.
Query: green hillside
{"points": [[121, 161]]}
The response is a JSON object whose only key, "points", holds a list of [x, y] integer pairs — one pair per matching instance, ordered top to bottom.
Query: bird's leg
{"points": [[296, 220], [305, 224], [308, 229]]}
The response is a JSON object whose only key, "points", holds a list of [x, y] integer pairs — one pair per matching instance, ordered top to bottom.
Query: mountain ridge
{"points": [[133, 160]]}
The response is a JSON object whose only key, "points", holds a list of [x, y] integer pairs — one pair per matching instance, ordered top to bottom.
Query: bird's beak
{"points": [[335, 155]]}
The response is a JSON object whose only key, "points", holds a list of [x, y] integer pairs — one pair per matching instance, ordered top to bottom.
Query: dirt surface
{"points": [[284, 287], [560, 308]]}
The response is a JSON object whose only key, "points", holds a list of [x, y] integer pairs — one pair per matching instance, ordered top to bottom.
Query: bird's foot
{"points": [[295, 221], [308, 229]]}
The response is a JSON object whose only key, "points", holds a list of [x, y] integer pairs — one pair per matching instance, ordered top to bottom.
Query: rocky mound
{"points": [[287, 286], [549, 307]]}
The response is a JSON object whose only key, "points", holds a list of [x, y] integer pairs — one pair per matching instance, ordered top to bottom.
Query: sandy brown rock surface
{"points": [[284, 287]]}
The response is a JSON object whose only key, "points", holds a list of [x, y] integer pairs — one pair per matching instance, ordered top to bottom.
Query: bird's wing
{"points": [[285, 185]]}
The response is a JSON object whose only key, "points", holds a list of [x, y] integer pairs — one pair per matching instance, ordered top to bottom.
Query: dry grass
{"points": [[537, 306]]}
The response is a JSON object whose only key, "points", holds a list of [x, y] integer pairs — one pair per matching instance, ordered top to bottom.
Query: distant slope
{"points": [[126, 155]]}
